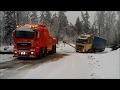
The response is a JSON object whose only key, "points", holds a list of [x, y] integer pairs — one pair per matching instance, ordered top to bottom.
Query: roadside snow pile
{"points": [[61, 48], [6, 49], [5, 52], [6, 57], [105, 65]]}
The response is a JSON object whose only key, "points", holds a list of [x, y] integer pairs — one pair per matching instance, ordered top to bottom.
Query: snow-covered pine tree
{"points": [[22, 17], [34, 17], [42, 17], [48, 17], [48, 20], [63, 22], [100, 22], [86, 23], [54, 25], [106, 25], [0, 26], [9, 26], [78, 26], [110, 26], [71, 33], [117, 33]]}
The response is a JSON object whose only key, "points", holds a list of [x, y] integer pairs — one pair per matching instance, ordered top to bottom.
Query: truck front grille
{"points": [[24, 44], [79, 47]]}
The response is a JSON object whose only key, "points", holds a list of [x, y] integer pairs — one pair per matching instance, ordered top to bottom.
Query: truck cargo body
{"points": [[98, 43]]}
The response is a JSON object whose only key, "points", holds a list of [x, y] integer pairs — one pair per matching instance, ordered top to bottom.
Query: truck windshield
{"points": [[24, 34], [84, 41]]}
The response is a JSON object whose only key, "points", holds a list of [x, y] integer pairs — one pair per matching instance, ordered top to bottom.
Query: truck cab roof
{"points": [[24, 28]]}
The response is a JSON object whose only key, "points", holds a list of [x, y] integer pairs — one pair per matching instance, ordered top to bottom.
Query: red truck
{"points": [[33, 40]]}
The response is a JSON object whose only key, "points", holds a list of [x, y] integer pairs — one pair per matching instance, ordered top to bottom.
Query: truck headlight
{"points": [[15, 52], [32, 52], [23, 53]]}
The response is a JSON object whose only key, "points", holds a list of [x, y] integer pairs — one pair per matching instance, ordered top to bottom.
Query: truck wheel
{"points": [[52, 49], [77, 51], [90, 51], [45, 52], [50, 52], [40, 53]]}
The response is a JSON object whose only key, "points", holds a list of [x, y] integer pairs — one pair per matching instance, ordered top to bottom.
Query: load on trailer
{"points": [[33, 40], [90, 43]]}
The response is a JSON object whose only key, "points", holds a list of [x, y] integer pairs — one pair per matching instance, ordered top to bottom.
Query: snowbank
{"points": [[61, 48], [6, 49], [6, 57], [108, 66]]}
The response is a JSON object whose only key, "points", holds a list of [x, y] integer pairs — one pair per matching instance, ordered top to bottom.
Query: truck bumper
{"points": [[25, 56]]}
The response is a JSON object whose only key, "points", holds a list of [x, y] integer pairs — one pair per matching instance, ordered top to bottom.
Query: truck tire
{"points": [[52, 49], [77, 51], [90, 51], [45, 52], [40, 53]]}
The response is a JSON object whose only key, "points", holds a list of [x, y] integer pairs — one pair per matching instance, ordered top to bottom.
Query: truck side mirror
{"points": [[37, 35]]}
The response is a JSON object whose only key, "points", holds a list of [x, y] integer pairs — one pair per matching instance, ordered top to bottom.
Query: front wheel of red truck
{"points": [[45, 52], [40, 53]]}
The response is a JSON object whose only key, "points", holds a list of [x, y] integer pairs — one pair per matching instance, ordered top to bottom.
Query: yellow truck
{"points": [[90, 43]]}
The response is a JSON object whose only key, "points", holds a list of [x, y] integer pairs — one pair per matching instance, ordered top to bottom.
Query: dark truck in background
{"points": [[90, 43]]}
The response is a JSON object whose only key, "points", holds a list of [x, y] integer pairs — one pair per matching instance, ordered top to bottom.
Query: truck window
{"points": [[24, 34], [37, 35], [84, 41]]}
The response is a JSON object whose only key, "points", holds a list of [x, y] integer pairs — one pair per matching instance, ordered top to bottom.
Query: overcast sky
{"points": [[72, 16]]}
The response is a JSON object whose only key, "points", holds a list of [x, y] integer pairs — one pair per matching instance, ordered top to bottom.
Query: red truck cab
{"points": [[33, 40]]}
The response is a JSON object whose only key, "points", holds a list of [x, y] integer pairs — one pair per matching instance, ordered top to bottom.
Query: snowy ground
{"points": [[6, 49], [6, 57], [103, 65]]}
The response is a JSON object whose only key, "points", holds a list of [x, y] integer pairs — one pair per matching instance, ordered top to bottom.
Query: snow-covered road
{"points": [[103, 65]]}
